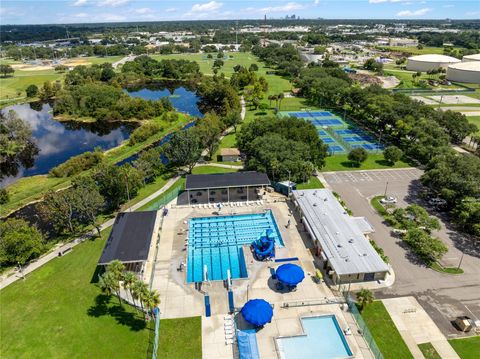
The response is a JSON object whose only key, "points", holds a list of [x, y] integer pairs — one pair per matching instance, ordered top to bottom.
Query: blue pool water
{"points": [[217, 243], [323, 340]]}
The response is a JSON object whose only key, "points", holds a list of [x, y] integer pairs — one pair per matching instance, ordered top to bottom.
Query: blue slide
{"points": [[264, 247]]}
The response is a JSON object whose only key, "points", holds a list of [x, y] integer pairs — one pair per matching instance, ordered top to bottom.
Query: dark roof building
{"points": [[226, 180], [130, 238]]}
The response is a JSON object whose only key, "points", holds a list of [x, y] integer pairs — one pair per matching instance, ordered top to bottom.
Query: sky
{"points": [[83, 11]]}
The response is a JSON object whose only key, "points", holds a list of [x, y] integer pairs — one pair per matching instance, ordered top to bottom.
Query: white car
{"points": [[388, 200]]}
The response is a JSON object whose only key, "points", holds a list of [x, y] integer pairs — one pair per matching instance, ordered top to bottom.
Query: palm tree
{"points": [[280, 96], [270, 98], [116, 268], [128, 280], [109, 284], [139, 290], [364, 297], [152, 300]]}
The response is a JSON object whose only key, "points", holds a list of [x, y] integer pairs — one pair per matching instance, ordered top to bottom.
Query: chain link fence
{"points": [[165, 198], [363, 328]]}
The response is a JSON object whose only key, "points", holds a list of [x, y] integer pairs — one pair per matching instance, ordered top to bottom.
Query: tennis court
{"points": [[340, 135]]}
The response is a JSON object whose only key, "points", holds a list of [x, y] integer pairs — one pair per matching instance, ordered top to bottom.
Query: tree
{"points": [[319, 50], [218, 63], [373, 65], [253, 68], [6, 70], [31, 91], [280, 97], [232, 119], [208, 130], [183, 149], [392, 154], [358, 156], [149, 163], [4, 196], [88, 201], [59, 209], [467, 215], [19, 242], [426, 247], [128, 281], [109, 284], [139, 291], [365, 297], [152, 300]]}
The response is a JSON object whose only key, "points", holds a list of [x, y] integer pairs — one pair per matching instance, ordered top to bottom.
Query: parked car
{"points": [[388, 200], [437, 202], [399, 232]]}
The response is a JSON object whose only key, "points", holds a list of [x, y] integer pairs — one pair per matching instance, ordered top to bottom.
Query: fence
{"points": [[165, 198], [312, 302], [363, 328], [157, 332]]}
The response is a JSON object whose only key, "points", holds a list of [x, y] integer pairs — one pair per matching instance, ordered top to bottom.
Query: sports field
{"points": [[340, 135]]}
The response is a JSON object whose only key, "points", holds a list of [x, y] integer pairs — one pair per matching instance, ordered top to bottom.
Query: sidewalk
{"points": [[5, 281], [416, 327]]}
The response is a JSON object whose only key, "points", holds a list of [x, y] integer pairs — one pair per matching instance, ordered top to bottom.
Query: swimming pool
{"points": [[216, 242], [323, 339]]}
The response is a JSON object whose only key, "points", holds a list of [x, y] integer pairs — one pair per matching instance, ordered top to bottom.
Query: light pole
{"points": [[386, 186], [288, 189], [461, 259]]}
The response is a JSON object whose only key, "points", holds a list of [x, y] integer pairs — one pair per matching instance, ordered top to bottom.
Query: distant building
{"points": [[400, 41], [229, 155], [340, 239]]}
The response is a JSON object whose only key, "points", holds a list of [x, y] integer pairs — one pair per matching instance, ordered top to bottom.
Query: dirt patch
{"points": [[76, 62], [28, 67], [389, 82]]}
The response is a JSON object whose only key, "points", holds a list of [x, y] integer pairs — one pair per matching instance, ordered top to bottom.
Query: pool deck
{"points": [[179, 299]]}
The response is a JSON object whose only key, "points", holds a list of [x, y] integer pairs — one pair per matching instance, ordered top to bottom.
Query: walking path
{"points": [[123, 60], [7, 280], [416, 327]]}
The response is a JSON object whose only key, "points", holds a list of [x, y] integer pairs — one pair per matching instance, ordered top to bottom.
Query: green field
{"points": [[415, 51], [340, 162], [312, 183], [58, 313], [384, 332], [180, 338], [466, 348], [428, 351]]}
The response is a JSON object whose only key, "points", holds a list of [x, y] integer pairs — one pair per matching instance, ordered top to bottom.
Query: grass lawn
{"points": [[415, 51], [476, 121], [228, 141], [373, 162], [312, 183], [375, 202], [58, 313], [384, 332], [180, 338], [466, 348], [429, 351]]}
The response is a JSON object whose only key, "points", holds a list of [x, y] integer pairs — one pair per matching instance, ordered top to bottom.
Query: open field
{"points": [[416, 51], [476, 121], [374, 161], [312, 183], [57, 312], [384, 331], [180, 338], [466, 348]]}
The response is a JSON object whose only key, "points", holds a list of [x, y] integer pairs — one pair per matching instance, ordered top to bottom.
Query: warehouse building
{"points": [[424, 63], [340, 239]]}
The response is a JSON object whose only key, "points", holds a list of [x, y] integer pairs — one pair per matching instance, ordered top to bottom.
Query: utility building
{"points": [[347, 255]]}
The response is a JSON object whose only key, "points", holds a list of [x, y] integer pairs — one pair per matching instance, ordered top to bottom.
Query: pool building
{"points": [[340, 239]]}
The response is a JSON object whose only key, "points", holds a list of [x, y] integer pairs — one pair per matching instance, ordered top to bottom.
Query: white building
{"points": [[474, 57], [426, 63], [464, 72], [340, 239]]}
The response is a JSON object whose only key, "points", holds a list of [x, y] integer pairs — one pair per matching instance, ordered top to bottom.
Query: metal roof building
{"points": [[130, 239], [341, 243]]}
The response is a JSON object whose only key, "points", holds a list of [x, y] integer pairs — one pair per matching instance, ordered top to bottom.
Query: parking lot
{"points": [[443, 296]]}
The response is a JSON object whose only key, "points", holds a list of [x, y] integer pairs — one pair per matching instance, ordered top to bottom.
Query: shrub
{"points": [[32, 91], [143, 132], [357, 156], [77, 164], [4, 197]]}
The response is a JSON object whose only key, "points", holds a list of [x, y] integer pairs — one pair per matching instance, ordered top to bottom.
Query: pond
{"points": [[182, 97], [58, 141]]}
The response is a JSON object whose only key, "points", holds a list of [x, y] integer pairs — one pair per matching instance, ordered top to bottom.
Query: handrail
{"points": [[311, 302]]}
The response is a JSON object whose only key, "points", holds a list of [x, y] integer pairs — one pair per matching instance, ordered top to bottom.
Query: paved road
{"points": [[123, 60], [443, 296]]}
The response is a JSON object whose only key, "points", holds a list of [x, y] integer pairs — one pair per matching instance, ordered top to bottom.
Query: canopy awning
{"points": [[290, 274], [257, 312]]}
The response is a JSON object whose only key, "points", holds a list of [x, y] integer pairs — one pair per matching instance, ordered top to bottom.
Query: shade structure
{"points": [[290, 274], [257, 312]]}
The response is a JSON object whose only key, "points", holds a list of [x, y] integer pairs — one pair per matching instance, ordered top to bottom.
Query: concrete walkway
{"points": [[14, 275], [416, 327]]}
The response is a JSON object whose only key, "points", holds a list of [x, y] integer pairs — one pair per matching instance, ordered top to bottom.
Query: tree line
{"points": [[420, 131]]}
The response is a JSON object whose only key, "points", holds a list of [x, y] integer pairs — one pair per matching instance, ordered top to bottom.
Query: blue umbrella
{"points": [[290, 274], [257, 312]]}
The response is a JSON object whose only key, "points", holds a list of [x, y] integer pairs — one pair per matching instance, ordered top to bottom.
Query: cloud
{"points": [[384, 1], [80, 2], [316, 2], [112, 3], [209, 6], [448, 6], [283, 8], [170, 9], [143, 10], [409, 13], [473, 13], [80, 15], [111, 17]]}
